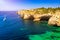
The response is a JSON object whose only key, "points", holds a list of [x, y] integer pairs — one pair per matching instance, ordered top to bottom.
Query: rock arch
{"points": [[45, 17]]}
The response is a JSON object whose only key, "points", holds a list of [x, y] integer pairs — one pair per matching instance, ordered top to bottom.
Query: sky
{"points": [[13, 5]]}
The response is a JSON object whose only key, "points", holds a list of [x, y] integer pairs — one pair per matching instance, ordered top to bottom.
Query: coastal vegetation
{"points": [[52, 15]]}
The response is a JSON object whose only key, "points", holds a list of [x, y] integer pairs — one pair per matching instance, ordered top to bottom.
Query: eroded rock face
{"points": [[21, 13], [26, 16], [36, 17], [45, 17], [55, 19]]}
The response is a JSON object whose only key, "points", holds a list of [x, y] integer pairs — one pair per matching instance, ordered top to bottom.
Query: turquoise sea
{"points": [[12, 27]]}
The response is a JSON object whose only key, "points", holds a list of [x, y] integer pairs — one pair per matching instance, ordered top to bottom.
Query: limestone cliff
{"points": [[33, 14], [51, 15], [55, 19]]}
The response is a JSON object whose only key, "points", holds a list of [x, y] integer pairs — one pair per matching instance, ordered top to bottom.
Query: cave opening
{"points": [[45, 18]]}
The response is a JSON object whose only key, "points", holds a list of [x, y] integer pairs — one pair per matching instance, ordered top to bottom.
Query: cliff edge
{"points": [[42, 14]]}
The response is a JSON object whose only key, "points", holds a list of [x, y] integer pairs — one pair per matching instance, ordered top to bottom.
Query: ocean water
{"points": [[13, 27]]}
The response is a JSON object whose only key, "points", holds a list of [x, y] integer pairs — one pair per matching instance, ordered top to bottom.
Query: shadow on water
{"points": [[36, 27], [41, 28]]}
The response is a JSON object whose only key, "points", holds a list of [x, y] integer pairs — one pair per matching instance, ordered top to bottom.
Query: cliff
{"points": [[52, 15], [55, 19]]}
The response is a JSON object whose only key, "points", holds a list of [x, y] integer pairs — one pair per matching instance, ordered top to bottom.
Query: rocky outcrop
{"points": [[26, 14], [30, 14], [36, 17], [41, 17], [45, 17], [52, 18], [55, 19]]}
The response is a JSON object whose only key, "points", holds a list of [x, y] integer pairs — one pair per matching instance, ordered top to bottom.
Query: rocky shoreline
{"points": [[42, 14]]}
